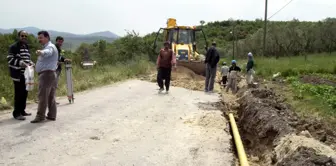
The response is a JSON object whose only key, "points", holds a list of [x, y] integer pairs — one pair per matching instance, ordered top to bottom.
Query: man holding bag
{"points": [[18, 59]]}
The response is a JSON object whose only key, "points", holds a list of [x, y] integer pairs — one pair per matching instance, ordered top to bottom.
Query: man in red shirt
{"points": [[165, 61]]}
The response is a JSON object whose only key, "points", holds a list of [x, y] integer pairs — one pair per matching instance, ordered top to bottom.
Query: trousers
{"points": [[164, 74], [210, 75], [249, 76], [232, 82], [46, 95], [20, 96]]}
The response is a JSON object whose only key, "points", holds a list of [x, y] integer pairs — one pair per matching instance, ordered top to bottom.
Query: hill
{"points": [[72, 41]]}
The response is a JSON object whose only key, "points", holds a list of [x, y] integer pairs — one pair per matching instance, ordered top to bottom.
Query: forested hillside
{"points": [[283, 38]]}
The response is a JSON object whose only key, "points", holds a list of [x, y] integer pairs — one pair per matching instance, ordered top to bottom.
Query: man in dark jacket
{"points": [[18, 59], [61, 59], [211, 60], [165, 61]]}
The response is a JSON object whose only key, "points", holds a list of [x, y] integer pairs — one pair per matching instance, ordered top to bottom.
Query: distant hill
{"points": [[72, 41]]}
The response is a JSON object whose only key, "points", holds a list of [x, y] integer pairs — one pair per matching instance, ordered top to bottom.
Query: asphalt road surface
{"points": [[127, 124]]}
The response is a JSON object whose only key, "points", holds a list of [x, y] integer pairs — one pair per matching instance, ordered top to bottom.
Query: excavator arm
{"points": [[157, 35], [206, 42]]}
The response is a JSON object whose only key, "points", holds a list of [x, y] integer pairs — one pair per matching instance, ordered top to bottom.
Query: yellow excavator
{"points": [[182, 41]]}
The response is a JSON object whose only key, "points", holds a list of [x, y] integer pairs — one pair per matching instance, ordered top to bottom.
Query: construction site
{"points": [[127, 122]]}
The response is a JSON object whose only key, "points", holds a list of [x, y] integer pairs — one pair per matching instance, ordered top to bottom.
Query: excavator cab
{"points": [[183, 41]]}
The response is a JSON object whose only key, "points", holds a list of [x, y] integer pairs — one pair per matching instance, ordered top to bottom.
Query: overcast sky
{"points": [[144, 16]]}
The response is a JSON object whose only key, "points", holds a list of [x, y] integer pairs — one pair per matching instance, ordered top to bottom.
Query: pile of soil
{"points": [[186, 78], [310, 79], [273, 133]]}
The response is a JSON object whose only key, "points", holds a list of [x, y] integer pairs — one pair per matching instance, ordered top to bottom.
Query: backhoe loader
{"points": [[183, 42]]}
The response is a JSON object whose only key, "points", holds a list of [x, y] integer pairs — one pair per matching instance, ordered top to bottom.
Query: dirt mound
{"points": [[186, 78], [317, 80], [211, 119], [266, 122], [301, 150]]}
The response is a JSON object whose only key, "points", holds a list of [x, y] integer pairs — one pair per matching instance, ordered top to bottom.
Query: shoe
{"points": [[160, 90], [167, 91], [26, 114], [20, 117], [53, 119], [37, 120]]}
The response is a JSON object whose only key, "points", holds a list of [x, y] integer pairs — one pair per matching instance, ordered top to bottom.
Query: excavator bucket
{"points": [[197, 67]]}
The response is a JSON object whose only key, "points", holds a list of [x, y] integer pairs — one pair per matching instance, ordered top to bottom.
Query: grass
{"points": [[294, 66], [82, 79], [307, 99]]}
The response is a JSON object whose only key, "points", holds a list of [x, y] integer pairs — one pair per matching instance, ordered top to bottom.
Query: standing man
{"points": [[18, 59], [61, 59], [211, 60], [165, 61], [46, 68], [249, 69], [224, 73], [233, 74]]}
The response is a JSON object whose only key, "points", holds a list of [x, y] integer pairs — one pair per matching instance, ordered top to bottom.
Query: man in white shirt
{"points": [[224, 73]]}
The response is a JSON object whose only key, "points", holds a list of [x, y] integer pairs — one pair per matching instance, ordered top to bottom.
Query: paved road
{"points": [[126, 124]]}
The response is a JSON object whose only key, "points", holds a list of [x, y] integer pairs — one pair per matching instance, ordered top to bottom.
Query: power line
{"points": [[280, 9]]}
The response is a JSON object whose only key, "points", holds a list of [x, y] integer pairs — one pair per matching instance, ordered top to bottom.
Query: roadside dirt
{"points": [[311, 79]]}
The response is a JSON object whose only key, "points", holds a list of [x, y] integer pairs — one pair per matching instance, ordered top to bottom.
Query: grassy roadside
{"points": [[82, 79], [309, 86]]}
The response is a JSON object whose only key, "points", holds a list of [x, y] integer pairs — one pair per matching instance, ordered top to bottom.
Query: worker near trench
{"points": [[211, 60], [165, 61], [249, 69], [224, 73], [232, 77]]}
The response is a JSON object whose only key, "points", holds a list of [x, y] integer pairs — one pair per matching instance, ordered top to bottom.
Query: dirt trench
{"points": [[271, 132], [274, 135]]}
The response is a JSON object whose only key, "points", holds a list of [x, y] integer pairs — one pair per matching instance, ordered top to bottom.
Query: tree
{"points": [[202, 22]]}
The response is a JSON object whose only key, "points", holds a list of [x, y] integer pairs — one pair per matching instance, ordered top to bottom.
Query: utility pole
{"points": [[265, 28], [233, 40], [233, 43]]}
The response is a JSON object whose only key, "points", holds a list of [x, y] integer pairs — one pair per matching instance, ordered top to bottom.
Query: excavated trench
{"points": [[272, 133]]}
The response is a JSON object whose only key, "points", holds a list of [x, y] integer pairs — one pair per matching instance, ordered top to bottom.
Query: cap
{"points": [[166, 42], [249, 54], [233, 61], [224, 63]]}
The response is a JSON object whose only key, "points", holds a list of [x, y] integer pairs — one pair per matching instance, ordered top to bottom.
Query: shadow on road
{"points": [[9, 121]]}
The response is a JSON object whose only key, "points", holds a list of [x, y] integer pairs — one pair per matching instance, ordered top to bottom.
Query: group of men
{"points": [[166, 60], [48, 68], [229, 74]]}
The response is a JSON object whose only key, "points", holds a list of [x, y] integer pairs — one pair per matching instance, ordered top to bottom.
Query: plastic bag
{"points": [[29, 77]]}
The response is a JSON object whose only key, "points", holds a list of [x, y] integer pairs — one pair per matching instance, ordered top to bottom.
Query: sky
{"points": [[146, 16]]}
